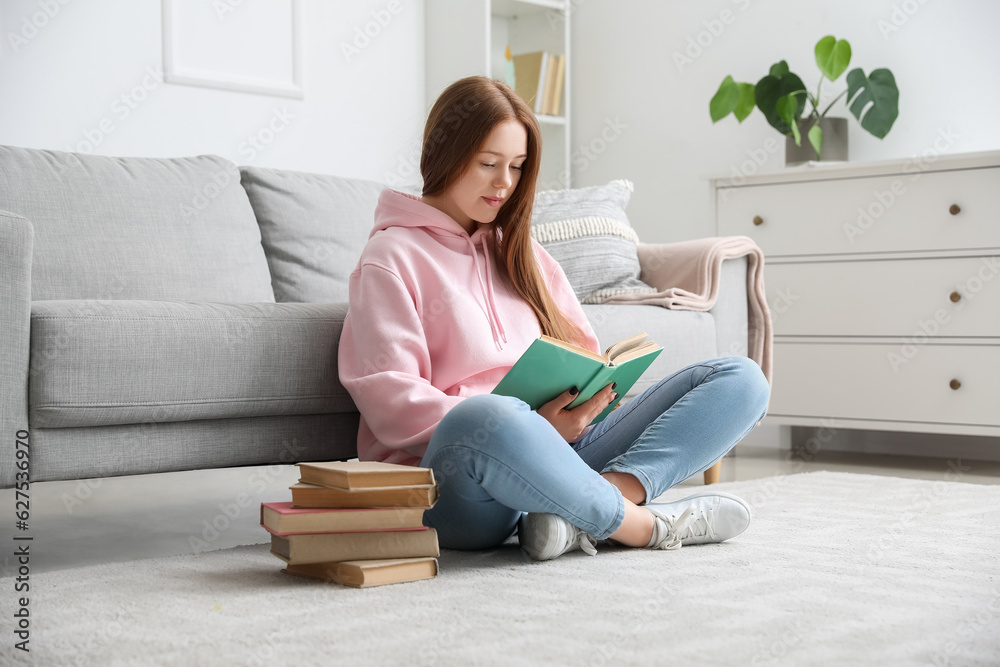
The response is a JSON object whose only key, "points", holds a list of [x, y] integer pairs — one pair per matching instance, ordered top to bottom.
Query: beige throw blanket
{"points": [[687, 277]]}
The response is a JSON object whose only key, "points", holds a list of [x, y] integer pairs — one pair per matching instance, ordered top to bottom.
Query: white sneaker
{"points": [[706, 516], [546, 536]]}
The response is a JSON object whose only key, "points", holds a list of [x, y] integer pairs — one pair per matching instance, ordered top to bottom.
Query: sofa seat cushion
{"points": [[136, 228], [313, 228], [687, 336], [98, 363]]}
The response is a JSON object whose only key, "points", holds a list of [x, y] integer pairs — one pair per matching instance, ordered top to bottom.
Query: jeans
{"points": [[495, 458]]}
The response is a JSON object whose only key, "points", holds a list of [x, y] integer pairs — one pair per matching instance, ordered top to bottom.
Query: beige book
{"points": [[529, 78], [557, 92], [363, 474], [313, 495], [282, 518], [376, 545], [367, 573]]}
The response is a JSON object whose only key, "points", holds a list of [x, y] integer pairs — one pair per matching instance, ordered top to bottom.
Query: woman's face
{"points": [[491, 179]]}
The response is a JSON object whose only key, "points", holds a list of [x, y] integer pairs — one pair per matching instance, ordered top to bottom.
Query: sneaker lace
{"points": [[689, 524], [586, 542]]}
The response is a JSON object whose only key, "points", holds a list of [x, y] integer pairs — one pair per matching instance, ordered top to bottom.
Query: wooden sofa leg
{"points": [[712, 474]]}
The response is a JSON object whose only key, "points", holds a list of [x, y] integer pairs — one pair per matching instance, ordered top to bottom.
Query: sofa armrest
{"points": [[16, 239], [659, 268], [730, 309]]}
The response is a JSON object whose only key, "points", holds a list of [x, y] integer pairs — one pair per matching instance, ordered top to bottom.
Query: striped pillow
{"points": [[587, 232]]}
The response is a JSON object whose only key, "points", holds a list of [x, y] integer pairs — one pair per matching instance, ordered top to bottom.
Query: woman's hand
{"points": [[571, 423]]}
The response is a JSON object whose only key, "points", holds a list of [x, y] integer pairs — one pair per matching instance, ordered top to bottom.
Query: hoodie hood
{"points": [[401, 209]]}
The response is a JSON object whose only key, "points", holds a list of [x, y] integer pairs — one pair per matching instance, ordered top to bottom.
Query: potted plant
{"points": [[781, 96]]}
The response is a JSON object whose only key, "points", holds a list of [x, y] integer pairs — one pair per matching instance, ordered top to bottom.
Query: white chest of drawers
{"points": [[883, 280]]}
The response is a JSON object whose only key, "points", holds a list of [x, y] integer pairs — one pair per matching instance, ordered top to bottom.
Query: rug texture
{"points": [[836, 569]]}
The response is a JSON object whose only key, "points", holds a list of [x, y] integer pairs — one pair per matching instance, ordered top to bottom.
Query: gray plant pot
{"points": [[834, 143]]}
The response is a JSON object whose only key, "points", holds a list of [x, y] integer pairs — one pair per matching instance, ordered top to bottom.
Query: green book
{"points": [[550, 366]]}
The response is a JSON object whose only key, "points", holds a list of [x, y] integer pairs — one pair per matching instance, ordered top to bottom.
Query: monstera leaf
{"points": [[832, 56], [776, 85], [880, 91], [732, 97]]}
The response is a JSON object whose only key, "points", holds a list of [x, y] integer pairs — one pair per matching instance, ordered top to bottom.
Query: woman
{"points": [[449, 291]]}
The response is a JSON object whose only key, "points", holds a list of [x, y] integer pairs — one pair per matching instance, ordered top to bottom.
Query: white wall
{"points": [[628, 87], [360, 116]]}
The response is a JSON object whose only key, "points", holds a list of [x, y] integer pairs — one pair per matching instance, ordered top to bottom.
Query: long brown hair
{"points": [[457, 127]]}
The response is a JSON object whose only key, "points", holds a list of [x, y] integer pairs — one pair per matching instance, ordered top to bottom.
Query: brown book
{"points": [[529, 78], [363, 474], [313, 495], [283, 519], [374, 545], [367, 573]]}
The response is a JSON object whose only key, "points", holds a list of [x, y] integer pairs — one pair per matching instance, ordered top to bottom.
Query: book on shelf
{"points": [[551, 67], [529, 76], [539, 77], [557, 92], [550, 366], [363, 474], [313, 495], [283, 519], [308, 548], [367, 573]]}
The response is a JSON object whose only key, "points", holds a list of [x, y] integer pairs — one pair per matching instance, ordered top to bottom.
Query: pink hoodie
{"points": [[431, 322]]}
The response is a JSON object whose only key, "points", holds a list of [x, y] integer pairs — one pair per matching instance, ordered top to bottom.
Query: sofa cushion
{"points": [[135, 228], [313, 228], [587, 232], [687, 336], [95, 363]]}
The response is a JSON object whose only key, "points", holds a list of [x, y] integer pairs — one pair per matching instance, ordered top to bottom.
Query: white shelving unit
{"points": [[468, 37]]}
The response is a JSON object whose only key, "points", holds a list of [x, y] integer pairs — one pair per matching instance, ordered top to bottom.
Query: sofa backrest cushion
{"points": [[136, 228], [313, 228]]}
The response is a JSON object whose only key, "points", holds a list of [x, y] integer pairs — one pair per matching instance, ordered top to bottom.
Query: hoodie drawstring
{"points": [[496, 326]]}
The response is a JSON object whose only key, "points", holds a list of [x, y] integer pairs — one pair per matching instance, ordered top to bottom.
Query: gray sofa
{"points": [[184, 313]]}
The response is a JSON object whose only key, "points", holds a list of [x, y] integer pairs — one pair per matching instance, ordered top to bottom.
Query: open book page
{"points": [[622, 346], [574, 348], [635, 352]]}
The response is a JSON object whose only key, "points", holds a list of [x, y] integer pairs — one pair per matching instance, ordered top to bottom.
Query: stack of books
{"points": [[538, 78], [358, 523]]}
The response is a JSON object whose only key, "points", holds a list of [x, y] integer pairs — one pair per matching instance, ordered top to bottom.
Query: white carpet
{"points": [[836, 569]]}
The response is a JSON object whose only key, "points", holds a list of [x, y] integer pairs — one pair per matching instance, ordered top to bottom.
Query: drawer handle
{"points": [[955, 209], [757, 220], [955, 297], [955, 384]]}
